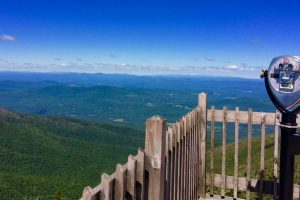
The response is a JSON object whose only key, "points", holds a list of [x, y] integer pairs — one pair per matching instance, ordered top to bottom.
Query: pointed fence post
{"points": [[202, 104], [155, 156], [87, 193]]}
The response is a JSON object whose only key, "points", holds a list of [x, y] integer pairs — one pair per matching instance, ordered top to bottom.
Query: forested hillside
{"points": [[45, 156]]}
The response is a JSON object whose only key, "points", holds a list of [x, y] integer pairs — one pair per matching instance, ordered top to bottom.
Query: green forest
{"points": [[51, 157]]}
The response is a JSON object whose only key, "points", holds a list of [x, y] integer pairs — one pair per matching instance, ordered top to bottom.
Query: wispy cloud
{"points": [[9, 38], [113, 55], [209, 58], [57, 59], [79, 59], [3, 60], [243, 67], [124, 68]]}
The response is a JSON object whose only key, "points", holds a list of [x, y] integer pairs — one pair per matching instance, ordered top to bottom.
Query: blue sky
{"points": [[223, 38]]}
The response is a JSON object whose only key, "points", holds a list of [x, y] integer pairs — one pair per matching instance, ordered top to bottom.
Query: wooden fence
{"points": [[174, 163]]}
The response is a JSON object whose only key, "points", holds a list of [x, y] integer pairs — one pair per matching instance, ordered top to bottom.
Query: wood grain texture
{"points": [[202, 104], [243, 117], [250, 122], [276, 138], [212, 150], [224, 151], [236, 152], [262, 155], [154, 160], [131, 176], [120, 182], [107, 184], [268, 185]]}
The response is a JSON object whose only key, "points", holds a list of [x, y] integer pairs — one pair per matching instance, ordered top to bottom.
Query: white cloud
{"points": [[9, 38], [232, 67], [125, 68]]}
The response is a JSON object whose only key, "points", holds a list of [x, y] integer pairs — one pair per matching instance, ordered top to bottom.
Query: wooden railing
{"points": [[174, 163]]}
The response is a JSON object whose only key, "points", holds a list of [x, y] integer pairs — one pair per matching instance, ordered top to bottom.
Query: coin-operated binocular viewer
{"points": [[282, 81]]}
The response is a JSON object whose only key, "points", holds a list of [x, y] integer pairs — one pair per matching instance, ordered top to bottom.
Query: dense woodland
{"points": [[47, 157]]}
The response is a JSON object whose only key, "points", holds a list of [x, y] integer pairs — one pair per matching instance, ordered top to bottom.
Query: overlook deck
{"points": [[175, 162]]}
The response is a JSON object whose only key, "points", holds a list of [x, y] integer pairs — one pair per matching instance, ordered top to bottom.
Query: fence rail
{"points": [[174, 163]]}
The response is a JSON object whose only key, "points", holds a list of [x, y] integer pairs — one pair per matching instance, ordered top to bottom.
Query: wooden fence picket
{"points": [[202, 103], [155, 142], [212, 151], [236, 152], [249, 153], [262, 155], [275, 165], [131, 176], [120, 182], [223, 184], [106, 193]]}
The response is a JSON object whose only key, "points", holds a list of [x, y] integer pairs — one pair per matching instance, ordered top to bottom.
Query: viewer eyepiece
{"points": [[282, 81]]}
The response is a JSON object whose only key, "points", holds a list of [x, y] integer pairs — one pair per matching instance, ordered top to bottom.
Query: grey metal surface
{"points": [[287, 94]]}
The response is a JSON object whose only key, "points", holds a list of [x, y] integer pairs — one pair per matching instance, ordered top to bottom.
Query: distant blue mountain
{"points": [[122, 80], [124, 99]]}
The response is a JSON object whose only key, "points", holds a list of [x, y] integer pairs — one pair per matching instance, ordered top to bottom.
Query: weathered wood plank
{"points": [[202, 103], [243, 117], [250, 120], [175, 128], [169, 135], [276, 135], [184, 149], [212, 150], [197, 152], [224, 152], [236, 152], [193, 155], [262, 155], [189, 157], [178, 159], [181, 159], [154, 160], [170, 163], [140, 171], [168, 175], [131, 176], [120, 182], [171, 184], [268, 185], [107, 190], [87, 194], [93, 194], [218, 197]]}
